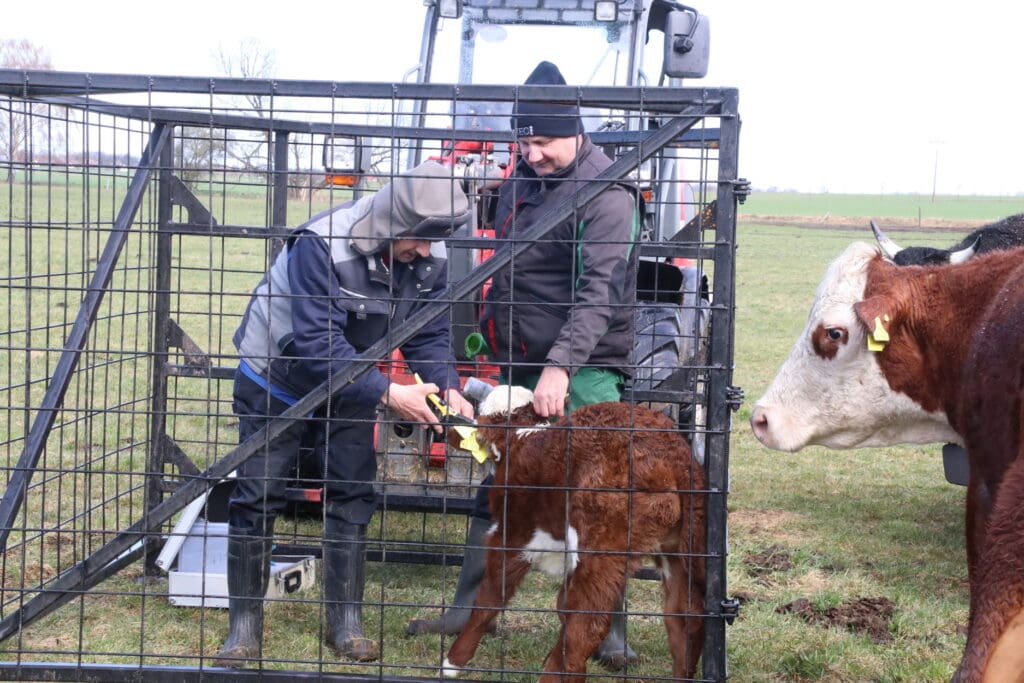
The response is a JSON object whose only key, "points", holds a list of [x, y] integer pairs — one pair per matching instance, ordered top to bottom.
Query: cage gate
{"points": [[140, 213]]}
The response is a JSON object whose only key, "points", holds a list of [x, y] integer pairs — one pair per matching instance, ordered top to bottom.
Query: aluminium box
{"points": [[199, 578]]}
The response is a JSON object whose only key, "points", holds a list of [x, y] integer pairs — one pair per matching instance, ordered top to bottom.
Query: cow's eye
{"points": [[828, 340]]}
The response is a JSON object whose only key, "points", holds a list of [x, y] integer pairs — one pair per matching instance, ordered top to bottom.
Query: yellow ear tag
{"points": [[878, 337], [466, 433], [470, 444]]}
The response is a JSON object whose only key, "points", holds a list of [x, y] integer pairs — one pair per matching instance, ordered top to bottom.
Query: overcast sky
{"points": [[871, 96]]}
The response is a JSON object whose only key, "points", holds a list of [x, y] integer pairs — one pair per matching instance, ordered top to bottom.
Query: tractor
{"points": [[596, 43]]}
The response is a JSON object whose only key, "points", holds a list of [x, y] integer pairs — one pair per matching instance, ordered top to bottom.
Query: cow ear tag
{"points": [[878, 337]]}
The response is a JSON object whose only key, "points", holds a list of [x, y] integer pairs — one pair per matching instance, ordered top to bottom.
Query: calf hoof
{"points": [[356, 649], [449, 670]]}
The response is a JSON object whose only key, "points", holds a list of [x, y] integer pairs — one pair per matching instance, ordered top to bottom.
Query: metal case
{"points": [[200, 577]]}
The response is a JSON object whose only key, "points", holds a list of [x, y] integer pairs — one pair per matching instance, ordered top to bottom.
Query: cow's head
{"points": [[920, 256], [831, 390]]}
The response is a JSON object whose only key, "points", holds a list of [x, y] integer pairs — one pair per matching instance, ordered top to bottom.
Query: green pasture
{"points": [[907, 208], [869, 523]]}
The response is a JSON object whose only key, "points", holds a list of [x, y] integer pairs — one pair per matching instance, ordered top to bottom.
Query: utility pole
{"points": [[935, 168]]}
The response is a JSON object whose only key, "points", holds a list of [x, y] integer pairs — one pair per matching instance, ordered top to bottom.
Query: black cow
{"points": [[1005, 234]]}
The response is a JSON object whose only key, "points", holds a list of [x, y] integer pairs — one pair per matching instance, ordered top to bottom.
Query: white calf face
{"points": [[830, 391]]}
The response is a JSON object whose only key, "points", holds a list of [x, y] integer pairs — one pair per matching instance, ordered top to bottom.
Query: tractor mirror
{"points": [[687, 44], [343, 159]]}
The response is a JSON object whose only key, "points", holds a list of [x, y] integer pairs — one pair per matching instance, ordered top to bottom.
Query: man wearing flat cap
{"points": [[342, 280], [559, 317]]}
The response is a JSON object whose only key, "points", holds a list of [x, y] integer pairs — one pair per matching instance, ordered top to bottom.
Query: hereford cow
{"points": [[1005, 234], [916, 355], [583, 499]]}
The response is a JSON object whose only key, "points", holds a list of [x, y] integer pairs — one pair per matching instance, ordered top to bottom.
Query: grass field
{"points": [[908, 209], [828, 527]]}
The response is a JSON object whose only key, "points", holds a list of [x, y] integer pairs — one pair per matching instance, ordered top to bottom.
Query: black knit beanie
{"points": [[546, 118]]}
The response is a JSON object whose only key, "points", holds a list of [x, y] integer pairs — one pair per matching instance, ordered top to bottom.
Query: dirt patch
{"points": [[862, 225], [780, 525], [772, 559], [870, 616]]}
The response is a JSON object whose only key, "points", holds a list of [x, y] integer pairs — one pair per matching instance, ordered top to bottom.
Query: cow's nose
{"points": [[759, 423]]}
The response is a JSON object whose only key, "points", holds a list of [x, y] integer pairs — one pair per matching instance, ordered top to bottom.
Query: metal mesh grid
{"points": [[138, 214]]}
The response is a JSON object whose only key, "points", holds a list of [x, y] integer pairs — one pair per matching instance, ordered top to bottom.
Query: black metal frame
{"points": [[680, 108]]}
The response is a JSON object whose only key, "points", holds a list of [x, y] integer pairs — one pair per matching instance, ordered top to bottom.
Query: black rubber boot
{"points": [[249, 550], [473, 562], [344, 576], [614, 653]]}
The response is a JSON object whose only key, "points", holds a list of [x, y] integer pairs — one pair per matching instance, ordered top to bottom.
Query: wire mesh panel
{"points": [[141, 219]]}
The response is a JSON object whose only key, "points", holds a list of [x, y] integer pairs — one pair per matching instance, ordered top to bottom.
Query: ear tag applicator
{"points": [[462, 426]]}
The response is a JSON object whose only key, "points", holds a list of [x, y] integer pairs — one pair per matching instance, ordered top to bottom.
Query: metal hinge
{"points": [[741, 189], [734, 397], [730, 609]]}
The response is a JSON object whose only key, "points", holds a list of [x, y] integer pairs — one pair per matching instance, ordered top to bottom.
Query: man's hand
{"points": [[551, 391], [410, 401], [458, 403]]}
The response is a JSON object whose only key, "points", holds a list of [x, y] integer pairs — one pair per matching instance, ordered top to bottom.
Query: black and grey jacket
{"points": [[567, 300], [322, 303]]}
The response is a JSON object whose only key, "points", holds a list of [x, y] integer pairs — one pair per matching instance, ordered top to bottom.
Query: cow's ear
{"points": [[871, 308], [878, 315]]}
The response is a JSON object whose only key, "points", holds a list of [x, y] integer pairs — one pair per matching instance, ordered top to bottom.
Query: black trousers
{"points": [[342, 441]]}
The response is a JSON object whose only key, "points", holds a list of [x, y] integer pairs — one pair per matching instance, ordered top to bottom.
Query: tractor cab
{"points": [[594, 42], [641, 43]]}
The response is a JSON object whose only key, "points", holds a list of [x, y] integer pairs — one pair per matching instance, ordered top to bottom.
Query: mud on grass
{"points": [[870, 616]]}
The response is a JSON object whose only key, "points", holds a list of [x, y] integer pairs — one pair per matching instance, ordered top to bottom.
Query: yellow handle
{"points": [[467, 434]]}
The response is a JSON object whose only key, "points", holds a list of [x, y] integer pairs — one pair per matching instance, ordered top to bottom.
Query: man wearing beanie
{"points": [[342, 280], [559, 317]]}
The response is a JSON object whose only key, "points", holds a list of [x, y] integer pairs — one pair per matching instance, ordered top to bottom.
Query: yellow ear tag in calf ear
{"points": [[878, 337], [470, 444]]}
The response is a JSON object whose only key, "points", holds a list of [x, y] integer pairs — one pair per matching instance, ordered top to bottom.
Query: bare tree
{"points": [[249, 59], [252, 59], [21, 122], [201, 150]]}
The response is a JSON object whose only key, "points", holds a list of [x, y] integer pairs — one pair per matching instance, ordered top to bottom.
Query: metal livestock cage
{"points": [[138, 214]]}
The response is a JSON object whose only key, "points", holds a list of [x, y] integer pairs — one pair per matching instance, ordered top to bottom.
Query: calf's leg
{"points": [[505, 571], [683, 585], [590, 596]]}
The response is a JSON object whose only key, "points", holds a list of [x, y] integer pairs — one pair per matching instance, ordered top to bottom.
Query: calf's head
{"points": [[831, 390], [506, 414]]}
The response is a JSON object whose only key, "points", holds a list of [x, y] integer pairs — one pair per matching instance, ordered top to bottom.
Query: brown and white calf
{"points": [[947, 365], [584, 499]]}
